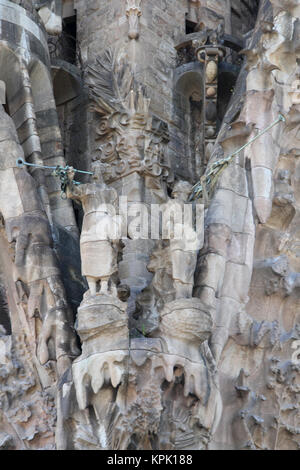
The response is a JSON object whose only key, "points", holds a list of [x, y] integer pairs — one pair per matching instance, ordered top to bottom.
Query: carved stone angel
{"points": [[100, 231], [185, 241]]}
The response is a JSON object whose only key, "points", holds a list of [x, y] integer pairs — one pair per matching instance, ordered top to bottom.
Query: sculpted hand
{"points": [[71, 173], [58, 328]]}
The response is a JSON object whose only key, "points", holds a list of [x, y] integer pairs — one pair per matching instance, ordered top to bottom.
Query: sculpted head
{"points": [[97, 170], [182, 190]]}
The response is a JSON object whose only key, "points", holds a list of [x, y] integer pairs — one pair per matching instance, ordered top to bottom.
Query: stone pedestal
{"points": [[185, 324], [102, 327]]}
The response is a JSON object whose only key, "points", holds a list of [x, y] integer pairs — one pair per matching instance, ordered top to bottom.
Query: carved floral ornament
{"points": [[133, 12], [128, 138], [125, 147]]}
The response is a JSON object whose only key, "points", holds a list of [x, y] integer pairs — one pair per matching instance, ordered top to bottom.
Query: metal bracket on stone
{"points": [[58, 171]]}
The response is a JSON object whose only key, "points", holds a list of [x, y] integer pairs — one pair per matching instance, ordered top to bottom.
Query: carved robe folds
{"points": [[100, 233]]}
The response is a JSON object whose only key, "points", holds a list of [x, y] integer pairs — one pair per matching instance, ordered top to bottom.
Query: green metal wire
{"points": [[217, 167], [59, 171]]}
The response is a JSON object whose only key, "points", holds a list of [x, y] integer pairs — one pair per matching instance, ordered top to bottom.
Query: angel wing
{"points": [[109, 80]]}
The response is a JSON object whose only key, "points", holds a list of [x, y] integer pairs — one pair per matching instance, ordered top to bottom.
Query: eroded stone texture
{"points": [[187, 329]]}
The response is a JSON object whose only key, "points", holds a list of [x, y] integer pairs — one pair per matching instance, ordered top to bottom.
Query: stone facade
{"points": [[150, 278]]}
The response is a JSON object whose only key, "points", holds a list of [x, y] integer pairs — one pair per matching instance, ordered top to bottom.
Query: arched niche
{"points": [[227, 77], [67, 83], [189, 92], [72, 103]]}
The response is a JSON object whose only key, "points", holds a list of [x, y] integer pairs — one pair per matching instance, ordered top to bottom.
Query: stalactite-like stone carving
{"points": [[34, 265], [102, 326]]}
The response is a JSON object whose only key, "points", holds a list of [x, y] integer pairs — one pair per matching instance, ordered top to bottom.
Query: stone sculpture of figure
{"points": [[50, 12], [99, 239], [185, 241]]}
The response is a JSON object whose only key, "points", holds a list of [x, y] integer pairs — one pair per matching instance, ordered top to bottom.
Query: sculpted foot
{"points": [[93, 286], [104, 287]]}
